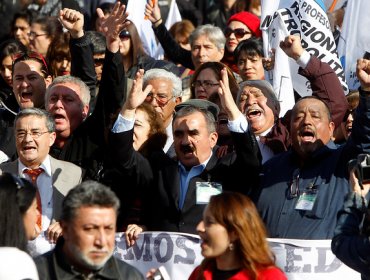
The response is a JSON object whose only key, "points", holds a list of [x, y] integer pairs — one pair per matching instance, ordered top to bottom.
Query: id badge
{"points": [[204, 191], [306, 200]]}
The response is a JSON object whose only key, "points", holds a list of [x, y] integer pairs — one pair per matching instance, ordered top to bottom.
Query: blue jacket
{"points": [[326, 171]]}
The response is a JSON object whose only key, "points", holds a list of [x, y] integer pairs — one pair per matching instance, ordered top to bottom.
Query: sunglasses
{"points": [[239, 32], [124, 34], [22, 56]]}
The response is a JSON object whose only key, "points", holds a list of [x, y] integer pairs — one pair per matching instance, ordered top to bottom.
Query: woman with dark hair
{"points": [[43, 31], [59, 56], [135, 57], [249, 59], [206, 80], [205, 84], [19, 214], [234, 242]]}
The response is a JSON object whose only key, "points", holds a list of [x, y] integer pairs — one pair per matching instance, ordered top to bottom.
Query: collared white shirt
{"points": [[122, 124], [241, 125], [169, 140], [45, 186]]}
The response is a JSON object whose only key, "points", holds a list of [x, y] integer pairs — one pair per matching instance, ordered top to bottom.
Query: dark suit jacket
{"points": [[65, 176], [159, 180]]}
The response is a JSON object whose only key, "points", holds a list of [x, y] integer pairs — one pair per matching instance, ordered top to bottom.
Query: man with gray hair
{"points": [[207, 41], [165, 95], [34, 135], [85, 251]]}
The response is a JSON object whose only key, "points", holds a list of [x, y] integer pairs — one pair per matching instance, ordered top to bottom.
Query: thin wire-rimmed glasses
{"points": [[32, 35], [205, 84], [161, 99], [20, 135]]}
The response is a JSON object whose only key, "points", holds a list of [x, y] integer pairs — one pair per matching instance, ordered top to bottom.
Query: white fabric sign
{"points": [[136, 11], [307, 19], [354, 39], [180, 254]]}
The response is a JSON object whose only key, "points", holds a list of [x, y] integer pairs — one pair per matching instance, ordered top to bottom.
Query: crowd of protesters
{"points": [[192, 143]]}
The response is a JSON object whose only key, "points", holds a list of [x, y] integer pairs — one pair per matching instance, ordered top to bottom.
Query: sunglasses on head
{"points": [[239, 32], [21, 56]]}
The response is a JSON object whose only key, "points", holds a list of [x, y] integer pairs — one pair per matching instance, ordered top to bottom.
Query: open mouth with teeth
{"points": [[26, 95], [253, 113], [58, 117], [307, 136]]}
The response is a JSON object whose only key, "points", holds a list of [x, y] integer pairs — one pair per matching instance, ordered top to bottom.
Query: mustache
{"points": [[187, 148]]}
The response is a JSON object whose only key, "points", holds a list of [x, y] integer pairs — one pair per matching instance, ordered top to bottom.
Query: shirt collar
{"points": [[45, 165], [201, 166]]}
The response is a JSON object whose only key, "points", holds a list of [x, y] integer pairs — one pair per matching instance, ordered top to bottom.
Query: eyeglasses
{"points": [[239, 32], [124, 34], [33, 35], [21, 56], [205, 84], [161, 99], [34, 134]]}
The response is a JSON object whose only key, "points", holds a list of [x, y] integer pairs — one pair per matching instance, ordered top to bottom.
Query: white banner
{"points": [[136, 11], [306, 18], [354, 39], [180, 254]]}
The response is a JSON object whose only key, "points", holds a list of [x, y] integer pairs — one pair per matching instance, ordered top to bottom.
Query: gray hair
{"points": [[213, 33], [161, 74], [85, 91], [188, 110], [49, 121], [88, 194]]}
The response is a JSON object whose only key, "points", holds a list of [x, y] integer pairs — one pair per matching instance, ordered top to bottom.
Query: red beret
{"points": [[250, 20]]}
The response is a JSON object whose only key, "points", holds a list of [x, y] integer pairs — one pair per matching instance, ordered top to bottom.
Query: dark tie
{"points": [[33, 174]]}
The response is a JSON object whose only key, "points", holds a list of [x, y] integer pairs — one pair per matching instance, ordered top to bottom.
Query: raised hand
{"points": [[152, 11], [73, 21], [111, 25], [292, 46], [363, 73], [136, 96], [227, 100], [355, 186], [132, 234]]}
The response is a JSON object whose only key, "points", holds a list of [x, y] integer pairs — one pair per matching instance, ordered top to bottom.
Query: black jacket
{"points": [[159, 179], [54, 266]]}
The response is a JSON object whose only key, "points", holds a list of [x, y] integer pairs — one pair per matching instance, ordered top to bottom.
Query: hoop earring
{"points": [[231, 246]]}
